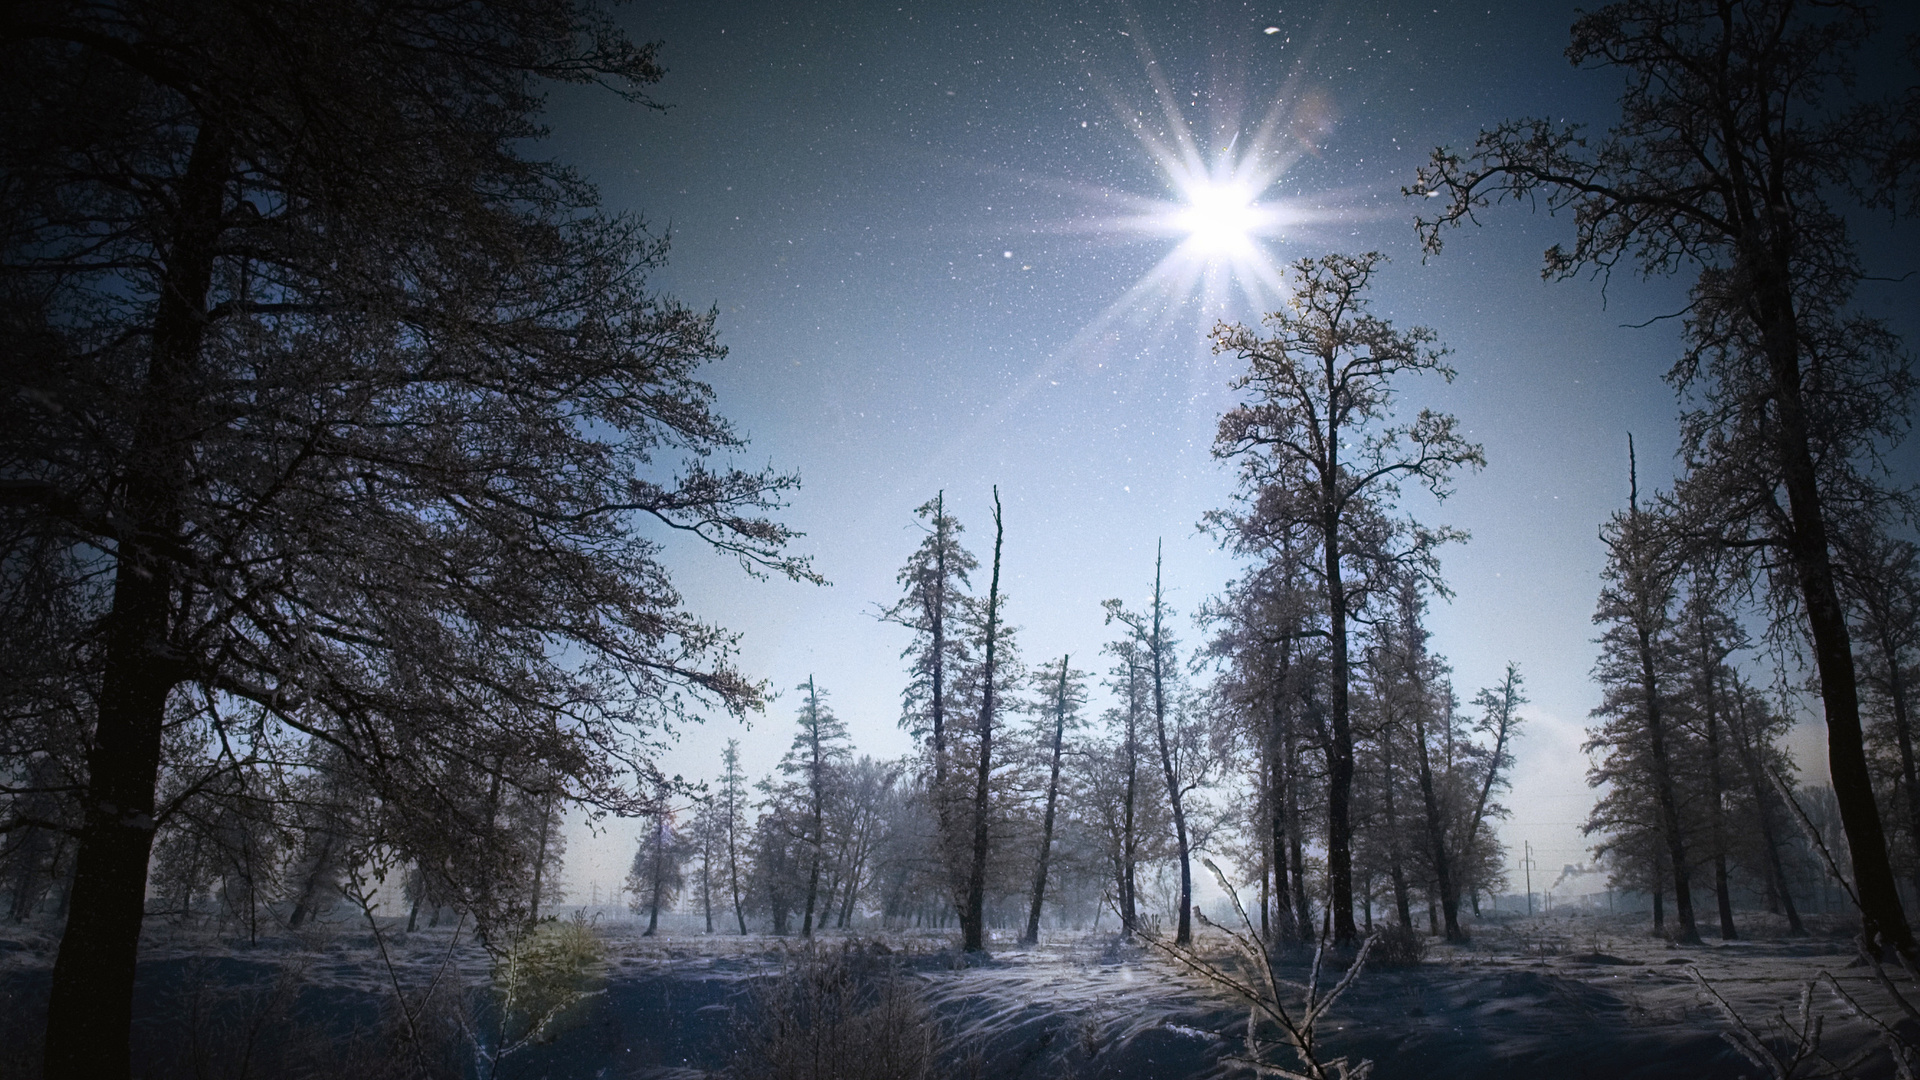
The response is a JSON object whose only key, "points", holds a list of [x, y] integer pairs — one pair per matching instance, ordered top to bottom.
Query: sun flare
{"points": [[1220, 219]]}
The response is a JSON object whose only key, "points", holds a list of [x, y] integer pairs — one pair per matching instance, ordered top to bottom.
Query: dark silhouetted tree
{"points": [[1736, 136], [363, 413]]}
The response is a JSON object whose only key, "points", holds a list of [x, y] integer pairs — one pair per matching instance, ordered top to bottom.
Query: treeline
{"points": [[1311, 737]]}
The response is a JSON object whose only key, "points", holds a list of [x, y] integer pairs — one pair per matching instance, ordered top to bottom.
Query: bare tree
{"points": [[1736, 133], [357, 409], [1313, 435], [1066, 693]]}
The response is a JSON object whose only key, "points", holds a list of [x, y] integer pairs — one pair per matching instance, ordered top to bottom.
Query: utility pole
{"points": [[1526, 865]]}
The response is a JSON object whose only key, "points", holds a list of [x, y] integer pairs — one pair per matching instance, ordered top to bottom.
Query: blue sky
{"points": [[911, 220]]}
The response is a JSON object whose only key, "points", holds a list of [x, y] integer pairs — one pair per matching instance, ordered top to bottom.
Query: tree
{"points": [[1736, 134], [354, 411], [1313, 436], [1883, 584], [933, 607], [1268, 625], [1705, 634], [993, 667], [1636, 672], [1066, 692], [1499, 718], [816, 757], [1183, 765], [731, 804], [1124, 812], [862, 815], [709, 837], [659, 867]]}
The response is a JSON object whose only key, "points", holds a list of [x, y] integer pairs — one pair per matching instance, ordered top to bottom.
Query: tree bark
{"points": [[1808, 552], [1340, 752], [973, 914], [1183, 933], [1032, 936], [90, 1002]]}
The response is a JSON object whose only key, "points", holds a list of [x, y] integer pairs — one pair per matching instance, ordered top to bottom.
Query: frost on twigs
{"points": [[538, 980], [1272, 1023], [1789, 1048]]}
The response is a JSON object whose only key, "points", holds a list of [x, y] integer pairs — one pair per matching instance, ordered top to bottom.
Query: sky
{"points": [[945, 256]]}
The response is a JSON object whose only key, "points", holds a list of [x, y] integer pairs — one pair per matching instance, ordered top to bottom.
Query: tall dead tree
{"points": [[973, 917]]}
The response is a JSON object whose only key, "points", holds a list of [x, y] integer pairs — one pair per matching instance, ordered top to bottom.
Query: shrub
{"points": [[1399, 946], [541, 977], [844, 1014]]}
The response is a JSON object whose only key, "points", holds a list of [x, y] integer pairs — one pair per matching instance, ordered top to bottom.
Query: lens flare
{"points": [[1220, 219]]}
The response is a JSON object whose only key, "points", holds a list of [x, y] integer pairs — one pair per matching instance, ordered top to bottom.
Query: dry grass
{"points": [[846, 1013]]}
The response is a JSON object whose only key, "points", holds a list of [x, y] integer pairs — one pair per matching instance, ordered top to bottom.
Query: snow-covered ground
{"points": [[1567, 995]]}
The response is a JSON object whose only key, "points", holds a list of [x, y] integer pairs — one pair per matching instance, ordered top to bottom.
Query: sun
{"points": [[1228, 210], [1220, 218]]}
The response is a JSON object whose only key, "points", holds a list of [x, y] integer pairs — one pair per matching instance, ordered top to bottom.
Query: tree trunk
{"points": [[1807, 550], [1340, 752], [1280, 793], [1716, 795], [1669, 805], [1763, 806], [1436, 823], [1302, 901], [1402, 904], [1129, 912], [973, 915], [1183, 935], [1032, 936], [90, 1002]]}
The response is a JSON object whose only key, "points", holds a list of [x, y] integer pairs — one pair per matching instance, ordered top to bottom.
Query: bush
{"points": [[1399, 946], [540, 979], [844, 1014]]}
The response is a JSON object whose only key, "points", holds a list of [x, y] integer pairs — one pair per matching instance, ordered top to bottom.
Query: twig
{"points": [[1263, 998]]}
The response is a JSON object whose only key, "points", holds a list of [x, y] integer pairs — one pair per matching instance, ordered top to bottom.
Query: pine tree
{"points": [[814, 763], [731, 805]]}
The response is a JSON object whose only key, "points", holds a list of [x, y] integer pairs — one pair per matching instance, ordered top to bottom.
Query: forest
{"points": [[350, 455]]}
